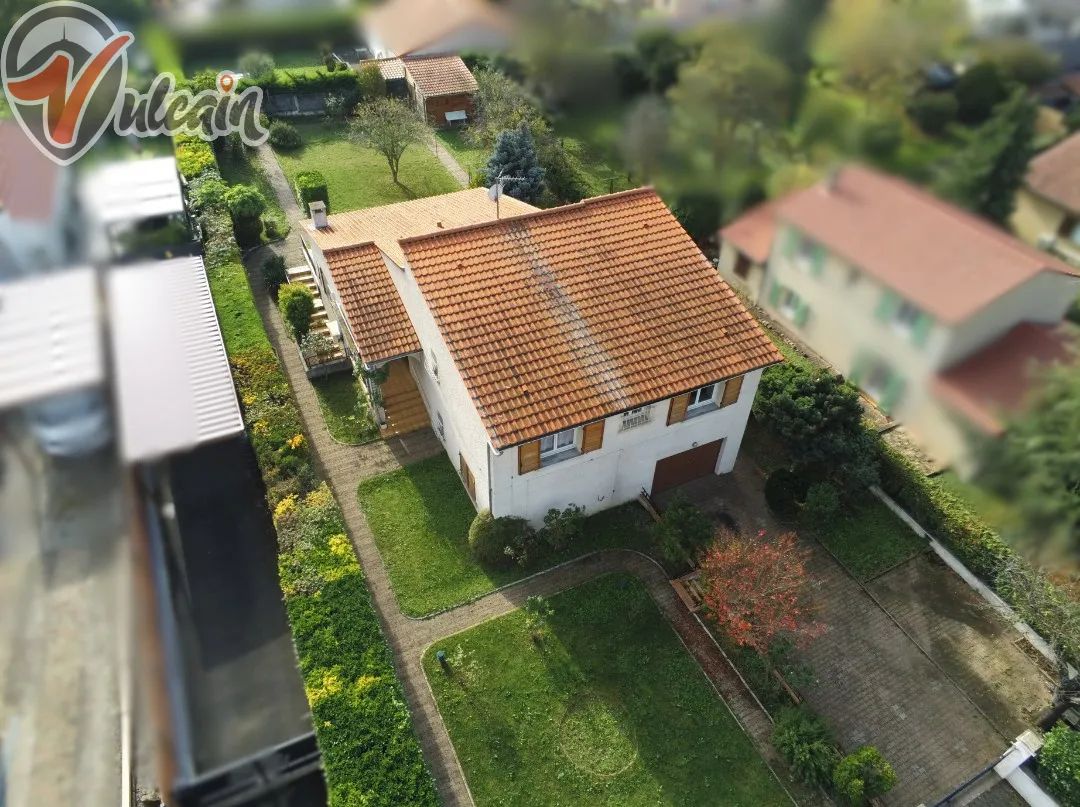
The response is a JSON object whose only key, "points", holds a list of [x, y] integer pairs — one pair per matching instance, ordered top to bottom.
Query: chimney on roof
{"points": [[318, 214]]}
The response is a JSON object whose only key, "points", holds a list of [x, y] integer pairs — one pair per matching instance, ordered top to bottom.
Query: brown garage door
{"points": [[684, 467]]}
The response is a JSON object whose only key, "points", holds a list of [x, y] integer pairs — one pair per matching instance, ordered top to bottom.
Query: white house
{"points": [[427, 27], [39, 225], [937, 315], [573, 355]]}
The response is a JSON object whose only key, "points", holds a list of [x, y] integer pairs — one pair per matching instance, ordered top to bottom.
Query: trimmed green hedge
{"points": [[306, 80], [311, 185], [370, 753]]}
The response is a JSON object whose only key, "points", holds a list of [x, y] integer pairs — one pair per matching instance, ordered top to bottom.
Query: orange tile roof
{"points": [[406, 26], [390, 69], [440, 75], [1055, 174], [27, 177], [386, 225], [753, 232], [948, 262], [376, 315], [564, 316], [999, 379]]}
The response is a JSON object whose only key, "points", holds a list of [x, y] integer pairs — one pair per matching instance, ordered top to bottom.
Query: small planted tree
{"points": [[370, 82], [389, 126], [515, 157], [246, 206], [274, 274], [297, 305], [683, 530], [756, 590], [807, 744], [863, 775]]}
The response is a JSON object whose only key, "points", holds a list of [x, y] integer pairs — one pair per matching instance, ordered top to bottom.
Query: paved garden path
{"points": [[449, 162], [346, 466]]}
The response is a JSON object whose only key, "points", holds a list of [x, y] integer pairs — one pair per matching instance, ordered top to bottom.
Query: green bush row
{"points": [[306, 80], [370, 753]]}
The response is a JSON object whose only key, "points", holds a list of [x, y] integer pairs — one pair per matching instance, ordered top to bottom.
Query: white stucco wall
{"points": [[752, 284], [624, 465]]}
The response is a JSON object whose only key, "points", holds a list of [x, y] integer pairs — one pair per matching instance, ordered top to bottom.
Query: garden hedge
{"points": [[306, 80], [311, 185], [370, 753]]}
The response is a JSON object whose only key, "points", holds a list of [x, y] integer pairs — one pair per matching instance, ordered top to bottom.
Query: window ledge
{"points": [[560, 456]]}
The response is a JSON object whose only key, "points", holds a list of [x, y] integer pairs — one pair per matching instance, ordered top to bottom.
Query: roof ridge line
{"points": [[533, 214]]}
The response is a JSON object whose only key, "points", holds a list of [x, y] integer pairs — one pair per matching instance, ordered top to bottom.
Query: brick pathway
{"points": [[345, 466], [875, 685]]}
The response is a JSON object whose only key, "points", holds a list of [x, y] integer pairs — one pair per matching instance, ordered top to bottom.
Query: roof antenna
{"points": [[495, 192]]}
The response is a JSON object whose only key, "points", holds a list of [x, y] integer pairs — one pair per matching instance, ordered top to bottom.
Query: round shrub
{"points": [[980, 89], [933, 111], [283, 135], [245, 202], [273, 272], [297, 305], [785, 491], [822, 504], [489, 538], [806, 742], [1059, 764], [864, 775]]}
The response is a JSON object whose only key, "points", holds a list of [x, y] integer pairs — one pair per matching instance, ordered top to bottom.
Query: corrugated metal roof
{"points": [[133, 190], [50, 336], [173, 386]]}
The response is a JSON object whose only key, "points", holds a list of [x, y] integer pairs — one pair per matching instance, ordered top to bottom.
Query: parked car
{"points": [[71, 425]]}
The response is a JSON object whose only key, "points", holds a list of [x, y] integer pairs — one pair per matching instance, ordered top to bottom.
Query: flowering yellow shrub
{"points": [[295, 442], [320, 497], [285, 508], [339, 545]]}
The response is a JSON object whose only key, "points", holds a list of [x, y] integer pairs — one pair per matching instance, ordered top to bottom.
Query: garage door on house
{"points": [[685, 467]]}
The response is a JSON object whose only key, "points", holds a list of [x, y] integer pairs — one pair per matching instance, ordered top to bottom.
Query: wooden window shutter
{"points": [[791, 243], [817, 260], [774, 294], [887, 306], [801, 313], [921, 331], [893, 390], [731, 391], [677, 410], [592, 437], [529, 457], [466, 475]]}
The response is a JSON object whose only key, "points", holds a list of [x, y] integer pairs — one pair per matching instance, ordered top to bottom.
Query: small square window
{"points": [[789, 303], [906, 317], [702, 396], [557, 443]]}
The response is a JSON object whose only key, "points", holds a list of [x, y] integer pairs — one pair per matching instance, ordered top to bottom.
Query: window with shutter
{"points": [[817, 260], [887, 305], [732, 388], [677, 409], [592, 437], [529, 457], [466, 475]]}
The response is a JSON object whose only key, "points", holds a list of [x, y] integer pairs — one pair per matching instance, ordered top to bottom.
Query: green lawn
{"points": [[282, 59], [592, 137], [469, 157], [246, 170], [357, 177], [345, 409], [420, 516], [870, 539], [610, 709]]}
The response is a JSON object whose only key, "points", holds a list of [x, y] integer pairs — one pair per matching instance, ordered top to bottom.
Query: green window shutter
{"points": [[791, 242], [817, 260], [774, 294], [887, 306], [801, 313], [921, 331], [857, 370], [893, 390]]}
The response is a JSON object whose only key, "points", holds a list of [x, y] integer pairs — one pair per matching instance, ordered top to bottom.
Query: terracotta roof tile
{"points": [[410, 25], [390, 69], [440, 75], [1055, 174], [27, 177], [385, 225], [753, 233], [948, 262], [563, 316], [377, 317], [1000, 378]]}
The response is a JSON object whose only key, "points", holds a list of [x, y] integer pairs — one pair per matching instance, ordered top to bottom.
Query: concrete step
{"points": [[298, 271]]}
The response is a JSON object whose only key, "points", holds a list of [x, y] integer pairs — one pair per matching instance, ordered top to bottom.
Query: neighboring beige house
{"points": [[425, 27], [1047, 211], [935, 314], [576, 355]]}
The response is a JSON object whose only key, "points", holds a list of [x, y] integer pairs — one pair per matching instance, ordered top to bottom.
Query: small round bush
{"points": [[933, 111], [283, 135], [245, 202], [273, 272], [297, 305], [785, 491], [822, 504], [488, 540], [806, 742], [1059, 764], [863, 775]]}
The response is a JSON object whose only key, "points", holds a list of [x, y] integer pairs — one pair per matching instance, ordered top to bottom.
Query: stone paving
{"points": [[876, 684]]}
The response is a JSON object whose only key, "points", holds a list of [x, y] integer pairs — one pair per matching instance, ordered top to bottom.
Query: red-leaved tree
{"points": [[756, 589]]}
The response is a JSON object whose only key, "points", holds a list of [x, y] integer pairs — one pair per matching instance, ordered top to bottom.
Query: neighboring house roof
{"points": [[406, 26], [391, 69], [440, 75], [1055, 174], [27, 177], [133, 190], [386, 225], [752, 234], [948, 262], [564, 316], [377, 317], [1000, 378]]}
